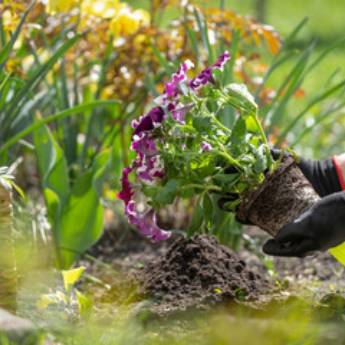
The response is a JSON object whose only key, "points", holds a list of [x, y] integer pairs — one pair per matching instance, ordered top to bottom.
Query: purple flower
{"points": [[221, 61], [206, 75], [202, 79], [172, 87], [179, 111], [149, 121], [144, 144], [206, 146], [149, 168], [126, 192], [131, 212], [147, 223]]}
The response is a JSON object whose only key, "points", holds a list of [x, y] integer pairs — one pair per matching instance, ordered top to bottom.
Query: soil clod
{"points": [[199, 272]]}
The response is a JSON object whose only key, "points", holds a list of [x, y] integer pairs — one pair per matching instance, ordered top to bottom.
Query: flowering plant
{"points": [[183, 149]]}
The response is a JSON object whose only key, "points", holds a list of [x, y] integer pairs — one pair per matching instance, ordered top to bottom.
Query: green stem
{"points": [[219, 124], [261, 130], [232, 161], [203, 187]]}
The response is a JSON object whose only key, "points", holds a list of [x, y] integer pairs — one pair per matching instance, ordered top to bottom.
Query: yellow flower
{"points": [[54, 6], [100, 8], [9, 20], [128, 22]]}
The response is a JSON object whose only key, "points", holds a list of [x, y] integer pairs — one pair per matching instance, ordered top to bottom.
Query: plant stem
{"points": [[219, 124], [261, 130], [232, 161], [203, 187]]}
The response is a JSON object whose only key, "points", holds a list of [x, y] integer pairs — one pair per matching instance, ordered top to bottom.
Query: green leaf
{"points": [[203, 29], [193, 39], [5, 52], [168, 66], [229, 67], [37, 77], [288, 87], [239, 97], [318, 99], [77, 110], [202, 124], [239, 131], [260, 164], [101, 167], [53, 170], [226, 179], [168, 192], [53, 204], [207, 206], [197, 219], [81, 220], [71, 277], [84, 303]]}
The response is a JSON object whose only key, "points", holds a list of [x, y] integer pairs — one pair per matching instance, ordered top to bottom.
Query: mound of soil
{"points": [[199, 272]]}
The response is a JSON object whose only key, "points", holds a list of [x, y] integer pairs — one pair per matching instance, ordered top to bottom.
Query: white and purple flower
{"points": [[206, 75], [150, 121], [146, 222]]}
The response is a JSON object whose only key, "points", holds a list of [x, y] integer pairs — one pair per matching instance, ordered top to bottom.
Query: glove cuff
{"points": [[339, 164]]}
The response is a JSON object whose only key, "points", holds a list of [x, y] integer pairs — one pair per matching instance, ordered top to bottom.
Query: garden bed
{"points": [[199, 274]]}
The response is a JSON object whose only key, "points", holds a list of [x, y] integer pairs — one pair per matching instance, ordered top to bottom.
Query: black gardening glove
{"points": [[322, 174], [318, 229]]}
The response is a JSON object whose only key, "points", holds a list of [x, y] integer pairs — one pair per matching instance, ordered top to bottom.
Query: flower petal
{"points": [[149, 121], [143, 143], [127, 191]]}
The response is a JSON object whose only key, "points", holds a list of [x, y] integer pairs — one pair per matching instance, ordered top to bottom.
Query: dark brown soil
{"points": [[284, 195], [199, 272]]}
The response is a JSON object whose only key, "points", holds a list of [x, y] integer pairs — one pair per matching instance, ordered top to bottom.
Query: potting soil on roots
{"points": [[199, 272]]}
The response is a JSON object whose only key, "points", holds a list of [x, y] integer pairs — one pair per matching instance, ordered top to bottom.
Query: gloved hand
{"points": [[318, 229]]}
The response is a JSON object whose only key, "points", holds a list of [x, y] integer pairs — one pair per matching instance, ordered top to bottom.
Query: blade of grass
{"points": [[203, 29], [291, 37], [193, 40], [6, 50], [284, 54], [324, 54], [105, 65], [168, 66], [229, 67], [288, 87], [329, 92], [15, 103], [78, 110], [317, 121]]}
